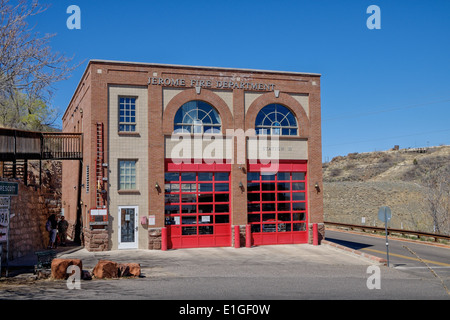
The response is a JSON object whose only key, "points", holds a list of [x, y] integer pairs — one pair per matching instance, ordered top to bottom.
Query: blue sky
{"points": [[380, 88]]}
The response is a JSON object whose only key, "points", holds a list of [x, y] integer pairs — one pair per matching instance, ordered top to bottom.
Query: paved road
{"points": [[411, 257], [284, 272]]}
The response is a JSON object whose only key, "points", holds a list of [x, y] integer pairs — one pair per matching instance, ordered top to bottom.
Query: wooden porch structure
{"points": [[17, 147]]}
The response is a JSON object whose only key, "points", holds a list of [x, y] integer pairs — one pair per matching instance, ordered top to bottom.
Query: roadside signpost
{"points": [[7, 189], [385, 215]]}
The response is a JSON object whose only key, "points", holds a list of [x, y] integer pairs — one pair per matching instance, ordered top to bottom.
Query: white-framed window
{"points": [[127, 114], [197, 117], [275, 119], [127, 175]]}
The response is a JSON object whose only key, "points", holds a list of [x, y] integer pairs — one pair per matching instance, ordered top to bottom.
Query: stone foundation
{"points": [[96, 239], [154, 239]]}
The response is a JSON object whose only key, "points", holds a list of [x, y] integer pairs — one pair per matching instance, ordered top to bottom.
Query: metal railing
{"points": [[28, 145], [62, 146], [391, 230]]}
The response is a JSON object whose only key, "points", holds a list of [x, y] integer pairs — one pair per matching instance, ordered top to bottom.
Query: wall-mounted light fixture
{"points": [[316, 185], [241, 186], [157, 187]]}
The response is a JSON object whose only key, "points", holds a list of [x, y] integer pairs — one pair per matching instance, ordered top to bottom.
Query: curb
{"points": [[391, 236], [69, 251], [355, 252]]}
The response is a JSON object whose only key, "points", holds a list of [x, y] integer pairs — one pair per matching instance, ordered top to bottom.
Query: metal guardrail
{"points": [[391, 230]]}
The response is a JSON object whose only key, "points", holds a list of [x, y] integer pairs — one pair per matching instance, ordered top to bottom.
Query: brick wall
{"points": [[31, 208]]}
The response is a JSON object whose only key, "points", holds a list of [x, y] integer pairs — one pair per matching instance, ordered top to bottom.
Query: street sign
{"points": [[9, 188], [5, 202], [384, 214], [4, 217], [3, 234]]}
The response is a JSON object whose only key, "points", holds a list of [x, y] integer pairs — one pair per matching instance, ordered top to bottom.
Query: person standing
{"points": [[63, 225], [51, 227]]}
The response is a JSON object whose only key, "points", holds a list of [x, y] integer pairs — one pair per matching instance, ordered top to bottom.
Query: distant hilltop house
{"points": [[416, 150]]}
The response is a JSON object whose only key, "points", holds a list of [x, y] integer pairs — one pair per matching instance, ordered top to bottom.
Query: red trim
{"points": [[195, 165], [282, 165], [315, 234], [248, 236], [237, 237], [164, 239]]}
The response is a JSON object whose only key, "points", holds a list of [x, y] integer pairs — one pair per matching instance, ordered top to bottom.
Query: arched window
{"points": [[197, 117], [275, 119]]}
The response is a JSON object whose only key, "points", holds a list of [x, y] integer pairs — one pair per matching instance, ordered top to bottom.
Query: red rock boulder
{"points": [[59, 267], [106, 269], [129, 269]]}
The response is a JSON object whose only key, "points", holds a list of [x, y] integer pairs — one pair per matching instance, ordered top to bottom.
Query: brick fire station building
{"points": [[183, 156]]}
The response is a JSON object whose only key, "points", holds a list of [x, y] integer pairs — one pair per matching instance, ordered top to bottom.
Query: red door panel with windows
{"points": [[277, 204], [197, 205]]}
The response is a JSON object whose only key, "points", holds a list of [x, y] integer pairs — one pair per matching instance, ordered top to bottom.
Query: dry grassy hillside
{"points": [[356, 185]]}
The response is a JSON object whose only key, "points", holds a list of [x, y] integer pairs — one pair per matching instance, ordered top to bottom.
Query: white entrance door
{"points": [[128, 227]]}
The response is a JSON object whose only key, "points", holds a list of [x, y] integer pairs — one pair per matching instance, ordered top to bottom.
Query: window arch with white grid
{"points": [[197, 117], [275, 119]]}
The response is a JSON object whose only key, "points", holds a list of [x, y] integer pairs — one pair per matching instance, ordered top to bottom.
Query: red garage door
{"points": [[277, 204], [197, 205]]}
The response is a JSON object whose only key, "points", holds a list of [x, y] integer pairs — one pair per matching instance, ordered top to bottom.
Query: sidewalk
{"points": [[89, 259], [149, 259], [26, 263]]}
